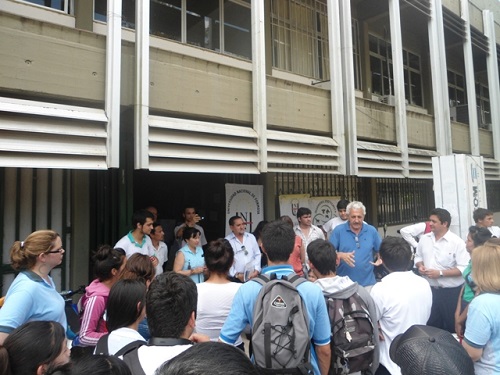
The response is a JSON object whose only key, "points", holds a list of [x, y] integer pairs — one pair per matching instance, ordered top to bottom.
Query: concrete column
{"points": [[399, 84]]}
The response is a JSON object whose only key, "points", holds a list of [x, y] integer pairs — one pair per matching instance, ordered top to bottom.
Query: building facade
{"points": [[109, 106]]}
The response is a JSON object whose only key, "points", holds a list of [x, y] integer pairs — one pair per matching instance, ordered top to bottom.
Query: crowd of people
{"points": [[137, 318]]}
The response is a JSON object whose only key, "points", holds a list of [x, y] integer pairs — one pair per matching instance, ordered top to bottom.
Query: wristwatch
{"points": [[440, 273]]}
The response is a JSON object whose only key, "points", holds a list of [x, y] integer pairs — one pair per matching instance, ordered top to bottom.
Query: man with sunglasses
{"points": [[356, 243], [247, 255]]}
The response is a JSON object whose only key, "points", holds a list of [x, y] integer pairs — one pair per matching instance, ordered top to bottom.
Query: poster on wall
{"points": [[246, 201], [289, 204], [322, 208]]}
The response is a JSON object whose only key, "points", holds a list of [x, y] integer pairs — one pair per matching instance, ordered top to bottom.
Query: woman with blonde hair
{"points": [[33, 295], [482, 333]]}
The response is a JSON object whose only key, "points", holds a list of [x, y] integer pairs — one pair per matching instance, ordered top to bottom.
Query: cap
{"points": [[425, 350]]}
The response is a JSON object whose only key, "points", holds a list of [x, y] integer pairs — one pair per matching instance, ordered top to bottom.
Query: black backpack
{"points": [[280, 330], [352, 340]]}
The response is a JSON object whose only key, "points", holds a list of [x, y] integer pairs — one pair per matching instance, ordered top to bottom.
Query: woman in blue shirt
{"points": [[189, 259], [33, 295]]}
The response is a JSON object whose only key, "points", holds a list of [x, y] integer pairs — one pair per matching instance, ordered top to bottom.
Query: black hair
{"points": [[342, 204], [303, 211], [480, 214], [443, 215], [140, 216], [232, 219], [156, 224], [258, 229], [190, 232], [479, 235], [278, 240], [396, 253], [219, 256], [323, 256], [106, 259], [170, 300], [122, 309], [31, 345], [209, 358], [100, 365]]}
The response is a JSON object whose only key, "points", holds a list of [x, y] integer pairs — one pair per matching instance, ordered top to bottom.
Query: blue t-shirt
{"points": [[364, 244], [30, 298], [241, 312], [483, 332]]}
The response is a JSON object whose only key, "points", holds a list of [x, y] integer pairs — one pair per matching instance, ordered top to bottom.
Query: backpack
{"points": [[280, 330], [353, 341]]}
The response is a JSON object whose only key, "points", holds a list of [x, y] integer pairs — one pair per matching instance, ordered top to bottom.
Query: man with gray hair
{"points": [[356, 243]]}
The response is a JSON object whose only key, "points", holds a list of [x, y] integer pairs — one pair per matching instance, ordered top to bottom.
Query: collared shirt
{"points": [[364, 245], [131, 247], [446, 253], [246, 254], [162, 255], [31, 298], [242, 310]]}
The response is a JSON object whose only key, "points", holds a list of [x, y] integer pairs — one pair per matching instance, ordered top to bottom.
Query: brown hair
{"points": [[23, 254], [138, 267]]}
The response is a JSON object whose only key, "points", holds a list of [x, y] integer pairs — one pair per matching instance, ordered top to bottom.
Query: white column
{"points": [[113, 77], [439, 79], [493, 80], [259, 81], [469, 81], [399, 84], [336, 90], [349, 92], [141, 97]]}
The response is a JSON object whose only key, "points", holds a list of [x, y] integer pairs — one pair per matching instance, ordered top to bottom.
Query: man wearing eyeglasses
{"points": [[356, 243], [247, 255]]}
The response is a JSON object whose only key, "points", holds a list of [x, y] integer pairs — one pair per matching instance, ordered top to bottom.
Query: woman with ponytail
{"points": [[32, 295]]}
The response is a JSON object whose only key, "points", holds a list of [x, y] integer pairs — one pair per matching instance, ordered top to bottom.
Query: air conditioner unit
{"points": [[389, 100]]}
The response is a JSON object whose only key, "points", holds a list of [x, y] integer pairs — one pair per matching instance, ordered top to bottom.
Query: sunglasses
{"points": [[60, 250]]}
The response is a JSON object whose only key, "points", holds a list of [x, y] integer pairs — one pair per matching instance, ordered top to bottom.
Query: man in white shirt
{"points": [[484, 218], [330, 225], [305, 229], [413, 233], [137, 240], [160, 248], [247, 254], [441, 258], [402, 299], [171, 304]]}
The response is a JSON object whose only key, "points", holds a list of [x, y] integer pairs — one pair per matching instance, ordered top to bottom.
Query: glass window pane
{"points": [[54, 4], [165, 18], [203, 23], [237, 29], [373, 42], [414, 61], [375, 66], [460, 81], [416, 89]]}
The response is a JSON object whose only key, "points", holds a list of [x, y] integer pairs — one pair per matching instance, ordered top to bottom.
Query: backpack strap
{"points": [[262, 279], [102, 345], [130, 346], [133, 363]]}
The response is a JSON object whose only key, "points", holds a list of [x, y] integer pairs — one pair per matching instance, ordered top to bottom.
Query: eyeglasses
{"points": [[357, 241], [244, 249], [60, 250]]}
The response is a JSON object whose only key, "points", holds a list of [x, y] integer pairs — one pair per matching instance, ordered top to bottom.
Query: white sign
{"points": [[245, 201], [322, 208]]}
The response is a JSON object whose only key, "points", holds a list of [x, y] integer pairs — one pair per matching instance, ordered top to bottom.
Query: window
{"points": [[62, 5], [218, 25], [299, 31], [356, 50], [382, 71], [456, 89], [483, 103]]}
